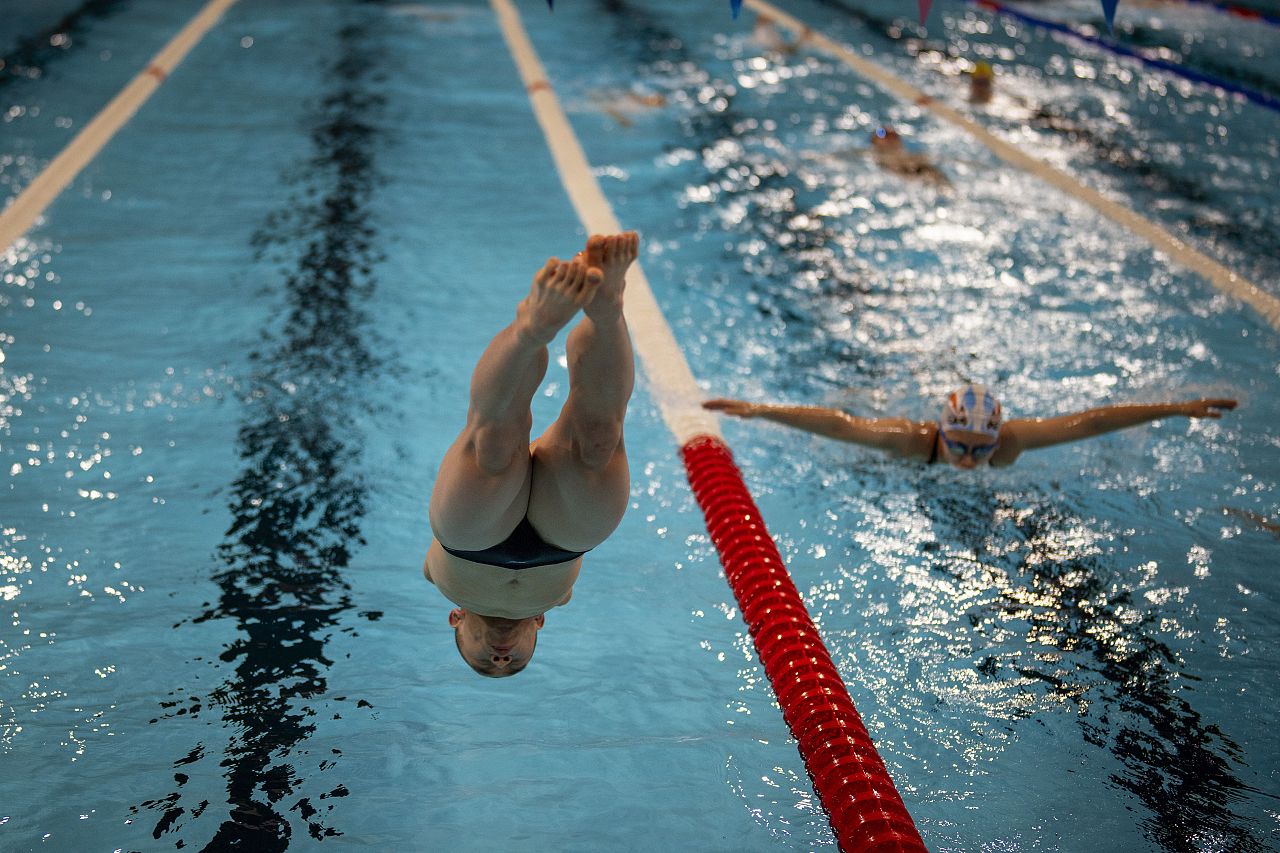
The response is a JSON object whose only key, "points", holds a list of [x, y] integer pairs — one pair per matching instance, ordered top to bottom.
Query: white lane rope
{"points": [[24, 211], [1219, 276], [672, 384]]}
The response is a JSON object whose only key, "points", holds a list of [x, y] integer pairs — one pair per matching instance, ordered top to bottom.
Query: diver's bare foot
{"points": [[612, 255], [559, 290]]}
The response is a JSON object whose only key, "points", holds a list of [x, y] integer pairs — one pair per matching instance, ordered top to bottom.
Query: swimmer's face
{"points": [[965, 448], [494, 646]]}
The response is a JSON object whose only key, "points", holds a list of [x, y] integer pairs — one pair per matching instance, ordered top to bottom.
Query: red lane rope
{"points": [[848, 774]]}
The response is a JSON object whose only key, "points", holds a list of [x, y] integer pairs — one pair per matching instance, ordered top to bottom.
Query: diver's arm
{"points": [[1029, 434], [898, 436]]}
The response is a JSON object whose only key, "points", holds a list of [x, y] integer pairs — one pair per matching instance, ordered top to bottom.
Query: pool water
{"points": [[238, 345]]}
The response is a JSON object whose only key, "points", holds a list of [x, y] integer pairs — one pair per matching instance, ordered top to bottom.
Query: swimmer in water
{"points": [[765, 33], [981, 84], [622, 105], [890, 155], [969, 431], [513, 519]]}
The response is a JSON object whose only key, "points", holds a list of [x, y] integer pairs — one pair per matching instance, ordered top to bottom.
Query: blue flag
{"points": [[551, 4], [735, 6], [1109, 9]]}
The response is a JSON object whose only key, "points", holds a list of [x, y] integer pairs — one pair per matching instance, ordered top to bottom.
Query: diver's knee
{"points": [[597, 442], [497, 448]]}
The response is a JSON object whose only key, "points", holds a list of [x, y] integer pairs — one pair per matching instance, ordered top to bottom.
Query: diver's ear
{"points": [[455, 617], [538, 622]]}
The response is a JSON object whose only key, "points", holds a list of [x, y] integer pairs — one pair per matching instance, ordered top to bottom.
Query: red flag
{"points": [[924, 10]]}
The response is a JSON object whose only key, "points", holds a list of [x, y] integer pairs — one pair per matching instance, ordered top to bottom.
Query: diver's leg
{"points": [[581, 482], [482, 488]]}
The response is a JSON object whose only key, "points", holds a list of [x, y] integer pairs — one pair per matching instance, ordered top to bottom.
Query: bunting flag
{"points": [[551, 4], [925, 4], [735, 6], [1109, 9]]}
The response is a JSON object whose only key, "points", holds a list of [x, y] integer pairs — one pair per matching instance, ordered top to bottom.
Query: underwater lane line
{"points": [[22, 213], [1220, 277], [849, 777]]}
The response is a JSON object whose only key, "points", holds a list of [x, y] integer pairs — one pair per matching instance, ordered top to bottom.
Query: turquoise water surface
{"points": [[235, 349]]}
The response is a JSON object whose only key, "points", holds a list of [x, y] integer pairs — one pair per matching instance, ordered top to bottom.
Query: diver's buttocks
{"points": [[498, 591]]}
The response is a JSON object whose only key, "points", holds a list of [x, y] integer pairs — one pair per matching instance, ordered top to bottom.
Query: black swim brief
{"points": [[523, 549]]}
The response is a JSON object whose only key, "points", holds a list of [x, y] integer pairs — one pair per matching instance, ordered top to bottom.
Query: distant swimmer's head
{"points": [[885, 137], [969, 426], [494, 646]]}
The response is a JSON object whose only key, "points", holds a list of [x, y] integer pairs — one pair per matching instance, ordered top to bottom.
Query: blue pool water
{"points": [[236, 348]]}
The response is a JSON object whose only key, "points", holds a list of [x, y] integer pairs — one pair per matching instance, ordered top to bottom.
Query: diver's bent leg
{"points": [[581, 481], [482, 488]]}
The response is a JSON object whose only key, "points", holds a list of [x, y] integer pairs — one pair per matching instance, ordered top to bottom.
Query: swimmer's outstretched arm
{"points": [[1028, 434], [898, 436], [1259, 520]]}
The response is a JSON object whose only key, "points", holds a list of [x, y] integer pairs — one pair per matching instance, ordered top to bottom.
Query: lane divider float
{"points": [[23, 212], [1219, 276], [848, 774], [849, 777]]}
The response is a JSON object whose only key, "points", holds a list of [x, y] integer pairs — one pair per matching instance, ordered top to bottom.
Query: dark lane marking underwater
{"points": [[31, 56], [298, 503], [1092, 647], [1179, 767]]}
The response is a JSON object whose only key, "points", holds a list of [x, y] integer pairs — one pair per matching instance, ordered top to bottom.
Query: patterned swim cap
{"points": [[973, 408]]}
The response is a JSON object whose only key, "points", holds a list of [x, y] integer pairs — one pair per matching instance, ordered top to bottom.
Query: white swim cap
{"points": [[973, 408]]}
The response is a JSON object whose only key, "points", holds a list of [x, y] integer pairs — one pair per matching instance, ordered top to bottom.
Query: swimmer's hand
{"points": [[739, 408], [1208, 408]]}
